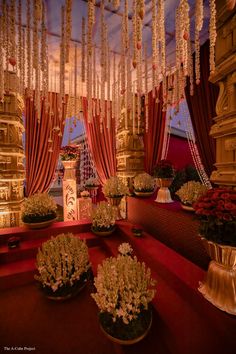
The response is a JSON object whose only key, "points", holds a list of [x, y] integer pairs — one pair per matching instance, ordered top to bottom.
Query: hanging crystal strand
{"points": [[198, 27], [68, 29], [212, 34], [154, 45], [13, 48], [83, 51], [44, 58], [1, 61], [103, 64], [94, 72], [75, 81], [89, 88], [98, 100], [194, 150]]}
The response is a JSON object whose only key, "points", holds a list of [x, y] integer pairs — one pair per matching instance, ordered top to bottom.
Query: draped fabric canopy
{"points": [[202, 111], [154, 137], [102, 144], [40, 163]]}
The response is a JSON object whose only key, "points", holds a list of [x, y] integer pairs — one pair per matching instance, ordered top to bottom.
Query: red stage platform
{"points": [[171, 225], [183, 321]]}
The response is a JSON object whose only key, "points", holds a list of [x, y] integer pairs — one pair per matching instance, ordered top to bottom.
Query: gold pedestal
{"points": [[219, 287]]}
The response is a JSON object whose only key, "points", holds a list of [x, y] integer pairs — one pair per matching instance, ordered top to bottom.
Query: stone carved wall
{"points": [[224, 129], [12, 172]]}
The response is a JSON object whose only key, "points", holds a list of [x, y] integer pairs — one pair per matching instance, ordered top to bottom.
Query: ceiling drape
{"points": [[202, 111], [154, 137], [102, 144], [40, 163]]}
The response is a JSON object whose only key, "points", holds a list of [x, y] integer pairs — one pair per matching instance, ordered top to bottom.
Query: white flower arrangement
{"points": [[92, 182], [144, 183], [114, 187], [190, 192], [84, 194], [38, 207], [103, 216], [125, 249], [61, 262], [124, 288]]}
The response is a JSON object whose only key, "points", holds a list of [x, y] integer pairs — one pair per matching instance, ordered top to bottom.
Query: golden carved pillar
{"points": [[224, 129], [130, 148], [12, 172]]}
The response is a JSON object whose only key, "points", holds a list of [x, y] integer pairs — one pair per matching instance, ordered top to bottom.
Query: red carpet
{"points": [[183, 321]]}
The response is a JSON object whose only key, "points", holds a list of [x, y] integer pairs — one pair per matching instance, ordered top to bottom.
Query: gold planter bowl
{"points": [[164, 182], [143, 194], [187, 207], [39, 225], [103, 233], [219, 286], [127, 341]]}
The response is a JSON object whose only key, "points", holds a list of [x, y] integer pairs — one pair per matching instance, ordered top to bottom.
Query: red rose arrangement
{"points": [[69, 152], [216, 210]]}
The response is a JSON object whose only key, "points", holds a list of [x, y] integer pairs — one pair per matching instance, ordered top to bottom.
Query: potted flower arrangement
{"points": [[69, 153], [164, 173], [91, 183], [144, 185], [114, 190], [189, 193], [39, 210], [216, 210], [103, 219], [63, 266], [124, 292]]}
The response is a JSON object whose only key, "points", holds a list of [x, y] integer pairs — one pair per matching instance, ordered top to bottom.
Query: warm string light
{"points": [[68, 10], [161, 12], [198, 27], [212, 34], [154, 45], [13, 48], [83, 51]]}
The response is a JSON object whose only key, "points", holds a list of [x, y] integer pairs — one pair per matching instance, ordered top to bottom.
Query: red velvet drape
{"points": [[202, 111], [153, 139], [102, 145], [40, 163]]}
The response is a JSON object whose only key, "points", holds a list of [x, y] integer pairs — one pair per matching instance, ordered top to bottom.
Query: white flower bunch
{"points": [[92, 182], [144, 182], [114, 187], [190, 192], [84, 194], [39, 204], [103, 216], [125, 249], [61, 261], [124, 287]]}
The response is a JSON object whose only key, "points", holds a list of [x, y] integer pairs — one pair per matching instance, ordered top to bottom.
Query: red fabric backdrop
{"points": [[202, 111], [153, 139], [102, 145], [179, 153], [40, 163]]}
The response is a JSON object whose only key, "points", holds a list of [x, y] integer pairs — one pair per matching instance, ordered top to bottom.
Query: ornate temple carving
{"points": [[224, 129], [130, 149], [11, 156]]}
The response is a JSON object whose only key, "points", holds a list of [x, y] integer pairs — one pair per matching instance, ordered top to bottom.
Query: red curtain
{"points": [[202, 111], [153, 139], [102, 144], [40, 163]]}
